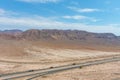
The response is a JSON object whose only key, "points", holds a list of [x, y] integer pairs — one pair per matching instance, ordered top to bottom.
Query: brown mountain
{"points": [[14, 32], [10, 34], [63, 35], [66, 35], [65, 39], [73, 39]]}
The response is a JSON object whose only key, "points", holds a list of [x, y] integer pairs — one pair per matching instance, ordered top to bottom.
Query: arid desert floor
{"points": [[38, 57]]}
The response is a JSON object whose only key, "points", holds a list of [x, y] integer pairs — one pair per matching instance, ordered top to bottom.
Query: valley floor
{"points": [[14, 58], [109, 71]]}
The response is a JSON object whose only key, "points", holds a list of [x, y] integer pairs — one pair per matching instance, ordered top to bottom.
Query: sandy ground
{"points": [[40, 54], [47, 57], [109, 71]]}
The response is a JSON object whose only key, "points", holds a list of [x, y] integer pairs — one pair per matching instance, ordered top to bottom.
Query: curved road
{"points": [[38, 73]]}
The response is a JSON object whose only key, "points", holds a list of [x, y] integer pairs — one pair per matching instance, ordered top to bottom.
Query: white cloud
{"points": [[39, 1], [83, 9], [88, 10], [6, 13], [76, 17], [80, 17], [38, 22], [44, 23]]}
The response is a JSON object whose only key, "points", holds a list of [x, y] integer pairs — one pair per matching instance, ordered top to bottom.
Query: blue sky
{"points": [[90, 15]]}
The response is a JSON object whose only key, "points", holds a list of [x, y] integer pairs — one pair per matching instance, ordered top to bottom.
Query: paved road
{"points": [[37, 73]]}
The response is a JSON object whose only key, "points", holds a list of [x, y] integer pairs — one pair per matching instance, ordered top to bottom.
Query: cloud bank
{"points": [[83, 10], [39, 22]]}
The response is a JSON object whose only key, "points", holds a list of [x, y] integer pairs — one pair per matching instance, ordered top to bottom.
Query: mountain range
{"points": [[35, 34], [66, 36], [69, 38]]}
